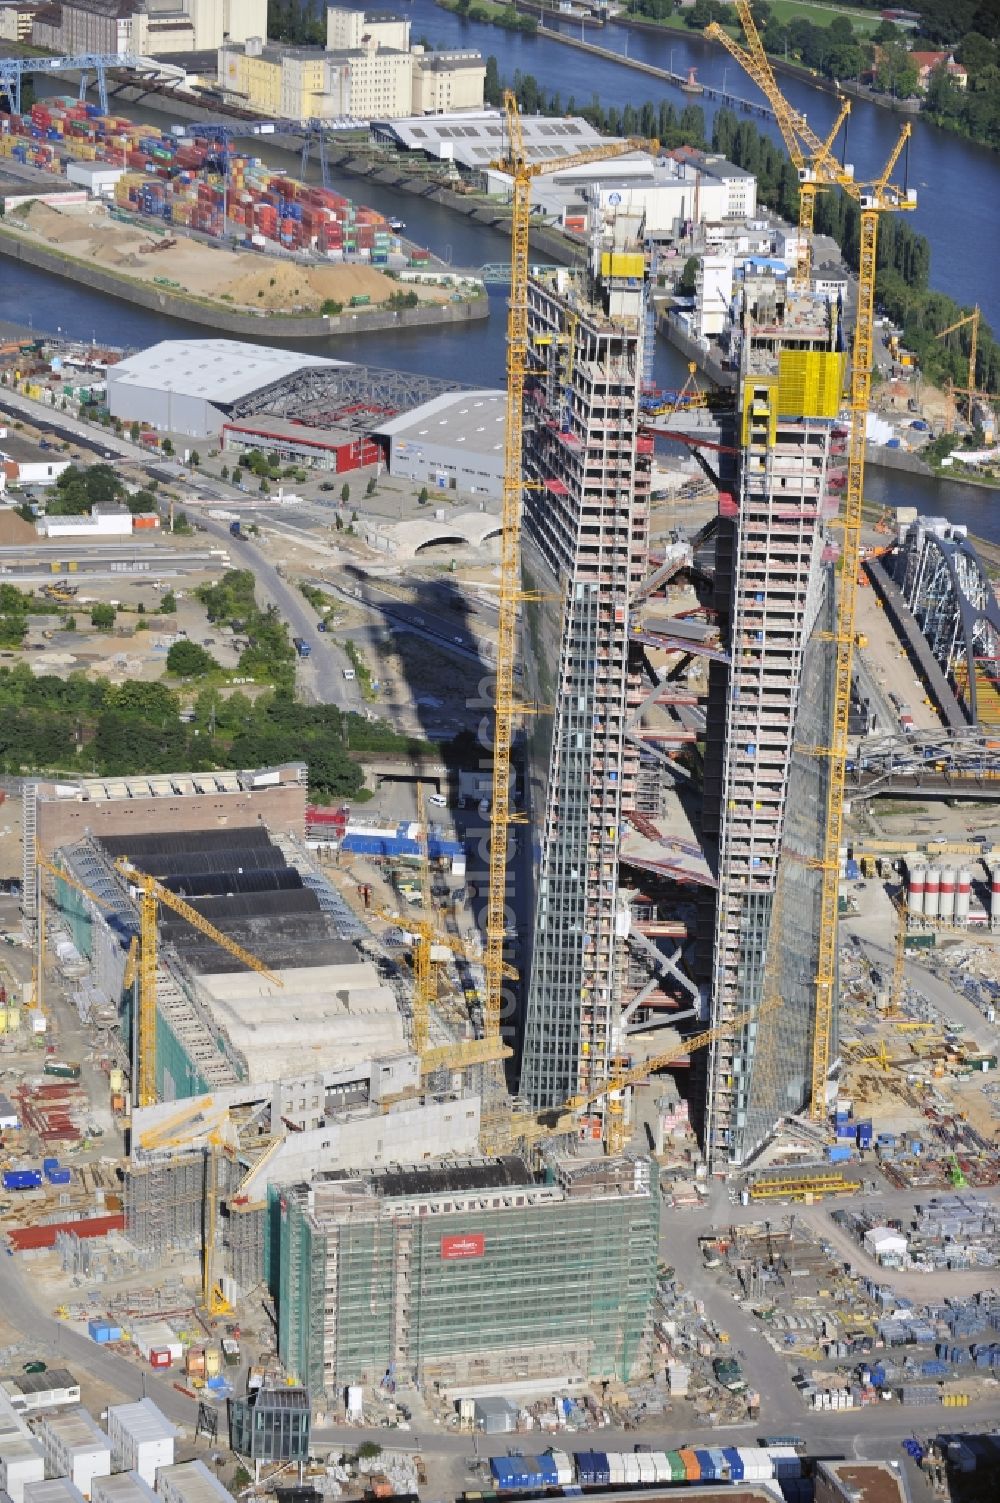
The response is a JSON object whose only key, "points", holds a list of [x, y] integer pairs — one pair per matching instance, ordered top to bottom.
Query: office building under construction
{"points": [[585, 549], [770, 708], [465, 1273]]}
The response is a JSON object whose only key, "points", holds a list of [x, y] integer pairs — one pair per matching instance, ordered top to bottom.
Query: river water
{"points": [[959, 211]]}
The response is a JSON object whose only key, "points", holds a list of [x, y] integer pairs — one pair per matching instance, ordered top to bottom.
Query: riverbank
{"points": [[178, 304]]}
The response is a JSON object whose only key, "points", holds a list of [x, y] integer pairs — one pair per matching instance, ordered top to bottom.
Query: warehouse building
{"points": [[189, 386], [454, 442], [336, 450], [58, 813], [218, 1022], [467, 1272]]}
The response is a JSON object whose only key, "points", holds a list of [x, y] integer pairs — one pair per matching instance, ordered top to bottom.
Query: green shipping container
{"points": [[678, 1471]]}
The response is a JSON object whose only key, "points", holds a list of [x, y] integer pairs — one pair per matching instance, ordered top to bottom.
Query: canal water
{"points": [[958, 185]]}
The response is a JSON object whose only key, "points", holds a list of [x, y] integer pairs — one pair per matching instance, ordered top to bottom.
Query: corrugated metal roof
{"points": [[217, 370]]}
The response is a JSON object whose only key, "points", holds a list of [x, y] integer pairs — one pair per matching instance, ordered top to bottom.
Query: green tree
{"points": [[688, 277], [167, 446], [195, 458], [345, 493], [142, 503], [168, 603], [102, 615], [188, 659]]}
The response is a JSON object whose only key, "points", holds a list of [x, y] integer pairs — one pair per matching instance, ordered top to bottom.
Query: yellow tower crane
{"points": [[811, 157], [522, 173], [873, 199], [969, 391], [150, 893]]}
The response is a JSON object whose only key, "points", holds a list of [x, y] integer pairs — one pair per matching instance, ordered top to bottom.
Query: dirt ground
{"points": [[247, 280]]}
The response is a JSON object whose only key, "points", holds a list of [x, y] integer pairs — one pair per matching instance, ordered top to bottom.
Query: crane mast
{"points": [[873, 199]]}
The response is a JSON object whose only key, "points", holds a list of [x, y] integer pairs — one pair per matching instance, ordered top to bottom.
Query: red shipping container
{"points": [[159, 1357]]}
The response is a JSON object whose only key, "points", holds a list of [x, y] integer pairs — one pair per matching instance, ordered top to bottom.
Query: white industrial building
{"points": [[147, 27], [474, 139], [99, 178], [189, 386], [454, 442], [101, 522], [886, 1245], [52, 1389], [142, 1439], [75, 1447], [190, 1482]]}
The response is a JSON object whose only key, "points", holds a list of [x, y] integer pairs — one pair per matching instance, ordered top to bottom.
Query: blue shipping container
{"points": [[838, 1154], [58, 1176], [22, 1179], [735, 1463], [707, 1465]]}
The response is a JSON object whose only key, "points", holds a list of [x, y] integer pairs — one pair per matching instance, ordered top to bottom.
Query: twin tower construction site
{"points": [[312, 1113], [430, 1157]]}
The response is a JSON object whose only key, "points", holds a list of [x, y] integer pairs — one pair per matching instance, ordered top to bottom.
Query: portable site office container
{"points": [[735, 1461], [720, 1463], [661, 1466], [706, 1466], [692, 1471]]}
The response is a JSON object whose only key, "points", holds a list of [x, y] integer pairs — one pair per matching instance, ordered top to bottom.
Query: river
{"points": [[959, 211]]}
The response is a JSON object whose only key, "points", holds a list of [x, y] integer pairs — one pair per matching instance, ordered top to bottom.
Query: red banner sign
{"points": [[473, 1245]]}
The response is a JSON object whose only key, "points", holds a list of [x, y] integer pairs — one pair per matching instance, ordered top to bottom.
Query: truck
{"points": [[236, 530], [301, 646]]}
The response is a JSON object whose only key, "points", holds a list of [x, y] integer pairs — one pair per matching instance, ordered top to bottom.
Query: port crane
{"points": [[812, 157], [522, 174], [873, 200], [971, 320]]}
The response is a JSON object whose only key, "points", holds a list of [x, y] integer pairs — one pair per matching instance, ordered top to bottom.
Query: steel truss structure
{"points": [[13, 69], [340, 385], [947, 588]]}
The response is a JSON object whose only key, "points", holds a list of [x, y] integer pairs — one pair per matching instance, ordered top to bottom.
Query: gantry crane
{"points": [[811, 156], [522, 173], [873, 199], [969, 391], [152, 892], [561, 1119]]}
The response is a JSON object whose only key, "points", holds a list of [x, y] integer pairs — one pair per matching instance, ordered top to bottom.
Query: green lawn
{"points": [[822, 15]]}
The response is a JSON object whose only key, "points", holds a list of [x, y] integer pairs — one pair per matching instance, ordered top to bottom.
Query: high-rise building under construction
{"points": [[585, 547], [769, 711]]}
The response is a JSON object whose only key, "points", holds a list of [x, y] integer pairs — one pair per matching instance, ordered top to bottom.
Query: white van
{"points": [[349, 675], [439, 801]]}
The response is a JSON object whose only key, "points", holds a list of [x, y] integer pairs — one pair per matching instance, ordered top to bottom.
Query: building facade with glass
{"points": [[466, 1272]]}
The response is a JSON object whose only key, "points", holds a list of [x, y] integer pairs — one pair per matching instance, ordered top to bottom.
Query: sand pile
{"points": [[242, 279]]}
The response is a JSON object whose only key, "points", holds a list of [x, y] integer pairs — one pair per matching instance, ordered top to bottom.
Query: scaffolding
{"points": [[506, 1277]]}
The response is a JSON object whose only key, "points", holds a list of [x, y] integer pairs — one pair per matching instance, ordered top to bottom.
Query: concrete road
{"points": [[321, 675]]}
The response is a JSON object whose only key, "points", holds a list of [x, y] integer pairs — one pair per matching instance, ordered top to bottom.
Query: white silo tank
{"points": [[932, 892], [915, 896], [963, 897], [946, 909]]}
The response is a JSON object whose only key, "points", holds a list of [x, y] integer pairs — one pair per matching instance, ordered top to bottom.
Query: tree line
{"points": [[660, 122], [91, 726]]}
